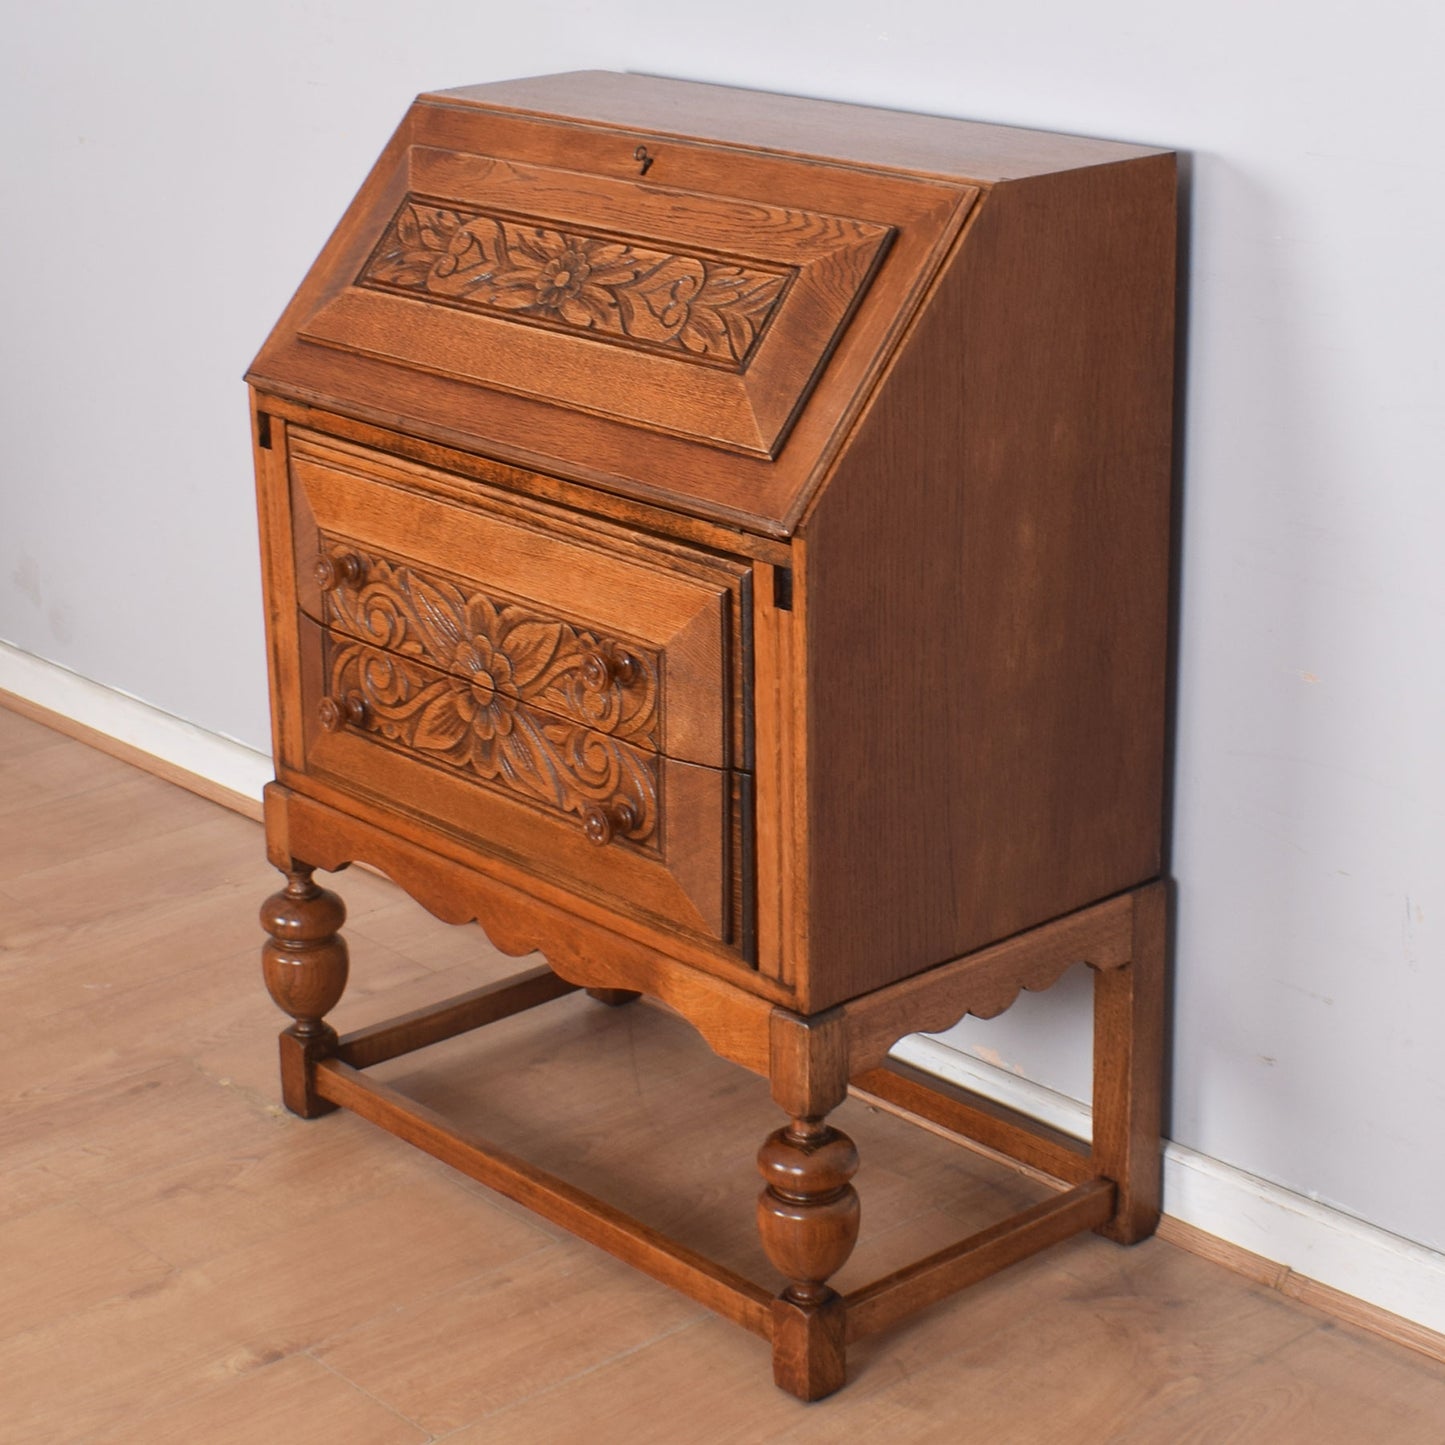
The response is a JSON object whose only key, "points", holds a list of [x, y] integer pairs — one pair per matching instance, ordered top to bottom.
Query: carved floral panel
{"points": [[707, 309], [494, 644], [477, 724]]}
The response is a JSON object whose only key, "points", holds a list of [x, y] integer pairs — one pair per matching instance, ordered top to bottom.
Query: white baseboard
{"points": [[184, 746], [1313, 1240]]}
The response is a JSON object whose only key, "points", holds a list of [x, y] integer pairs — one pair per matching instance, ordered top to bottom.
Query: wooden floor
{"points": [[180, 1260]]}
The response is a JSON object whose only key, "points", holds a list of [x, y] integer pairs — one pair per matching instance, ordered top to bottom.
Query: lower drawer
{"points": [[662, 837]]}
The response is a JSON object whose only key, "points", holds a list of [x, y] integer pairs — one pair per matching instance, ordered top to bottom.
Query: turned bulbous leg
{"points": [[305, 963], [808, 1219]]}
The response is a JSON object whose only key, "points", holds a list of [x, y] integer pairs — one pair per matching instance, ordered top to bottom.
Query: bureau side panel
{"points": [[986, 578]]}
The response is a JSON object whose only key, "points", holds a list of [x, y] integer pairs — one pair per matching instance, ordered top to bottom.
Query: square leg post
{"points": [[1128, 1072]]}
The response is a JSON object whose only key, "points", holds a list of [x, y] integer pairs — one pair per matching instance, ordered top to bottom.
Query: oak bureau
{"points": [[721, 541]]}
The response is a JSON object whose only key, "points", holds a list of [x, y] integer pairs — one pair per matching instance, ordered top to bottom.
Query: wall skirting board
{"points": [[205, 762], [1282, 1238], [1320, 1255]]}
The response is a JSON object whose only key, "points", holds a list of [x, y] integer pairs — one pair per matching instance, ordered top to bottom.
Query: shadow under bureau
{"points": [[721, 541]]}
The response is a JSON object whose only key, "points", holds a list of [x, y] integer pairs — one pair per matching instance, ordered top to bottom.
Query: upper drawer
{"points": [[692, 323], [603, 636], [537, 661]]}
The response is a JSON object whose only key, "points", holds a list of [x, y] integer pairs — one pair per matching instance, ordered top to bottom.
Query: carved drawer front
{"points": [[598, 638], [540, 667], [564, 699], [475, 725], [568, 802]]}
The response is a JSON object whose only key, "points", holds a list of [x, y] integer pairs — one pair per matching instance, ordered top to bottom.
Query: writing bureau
{"points": [[720, 541]]}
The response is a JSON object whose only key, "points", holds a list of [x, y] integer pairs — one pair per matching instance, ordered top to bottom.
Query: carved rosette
{"points": [[700, 308], [508, 654], [476, 722]]}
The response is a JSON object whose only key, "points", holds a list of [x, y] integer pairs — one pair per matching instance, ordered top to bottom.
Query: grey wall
{"points": [[170, 169]]}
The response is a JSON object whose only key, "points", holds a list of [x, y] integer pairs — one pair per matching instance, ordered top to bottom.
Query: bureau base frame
{"points": [[808, 1211]]}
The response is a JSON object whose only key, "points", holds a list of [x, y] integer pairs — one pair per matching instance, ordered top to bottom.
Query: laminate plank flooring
{"points": [[181, 1260]]}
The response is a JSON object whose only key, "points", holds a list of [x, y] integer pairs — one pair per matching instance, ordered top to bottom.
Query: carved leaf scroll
{"points": [[703, 308], [497, 646], [478, 725]]}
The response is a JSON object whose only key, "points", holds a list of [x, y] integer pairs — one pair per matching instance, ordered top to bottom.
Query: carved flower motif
{"points": [[568, 275], [489, 686], [486, 696]]}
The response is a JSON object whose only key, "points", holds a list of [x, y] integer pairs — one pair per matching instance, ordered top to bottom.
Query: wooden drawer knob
{"points": [[332, 572], [600, 671], [336, 713], [603, 824]]}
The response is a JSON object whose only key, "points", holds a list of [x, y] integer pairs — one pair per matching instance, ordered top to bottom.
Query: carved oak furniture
{"points": [[720, 541]]}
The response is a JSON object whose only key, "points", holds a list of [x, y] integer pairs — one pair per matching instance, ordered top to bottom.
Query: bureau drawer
{"points": [[608, 637], [543, 666], [558, 694], [476, 726], [572, 804]]}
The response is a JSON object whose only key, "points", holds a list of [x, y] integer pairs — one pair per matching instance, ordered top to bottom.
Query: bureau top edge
{"points": [[844, 133]]}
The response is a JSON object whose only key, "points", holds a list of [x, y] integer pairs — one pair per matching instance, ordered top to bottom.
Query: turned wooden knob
{"points": [[331, 572], [600, 670], [336, 713], [603, 824]]}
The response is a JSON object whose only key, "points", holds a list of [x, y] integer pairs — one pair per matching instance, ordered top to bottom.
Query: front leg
{"points": [[305, 962], [808, 1212], [808, 1218]]}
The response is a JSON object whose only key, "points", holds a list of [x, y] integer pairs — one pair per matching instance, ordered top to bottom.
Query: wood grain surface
{"points": [[986, 628]]}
